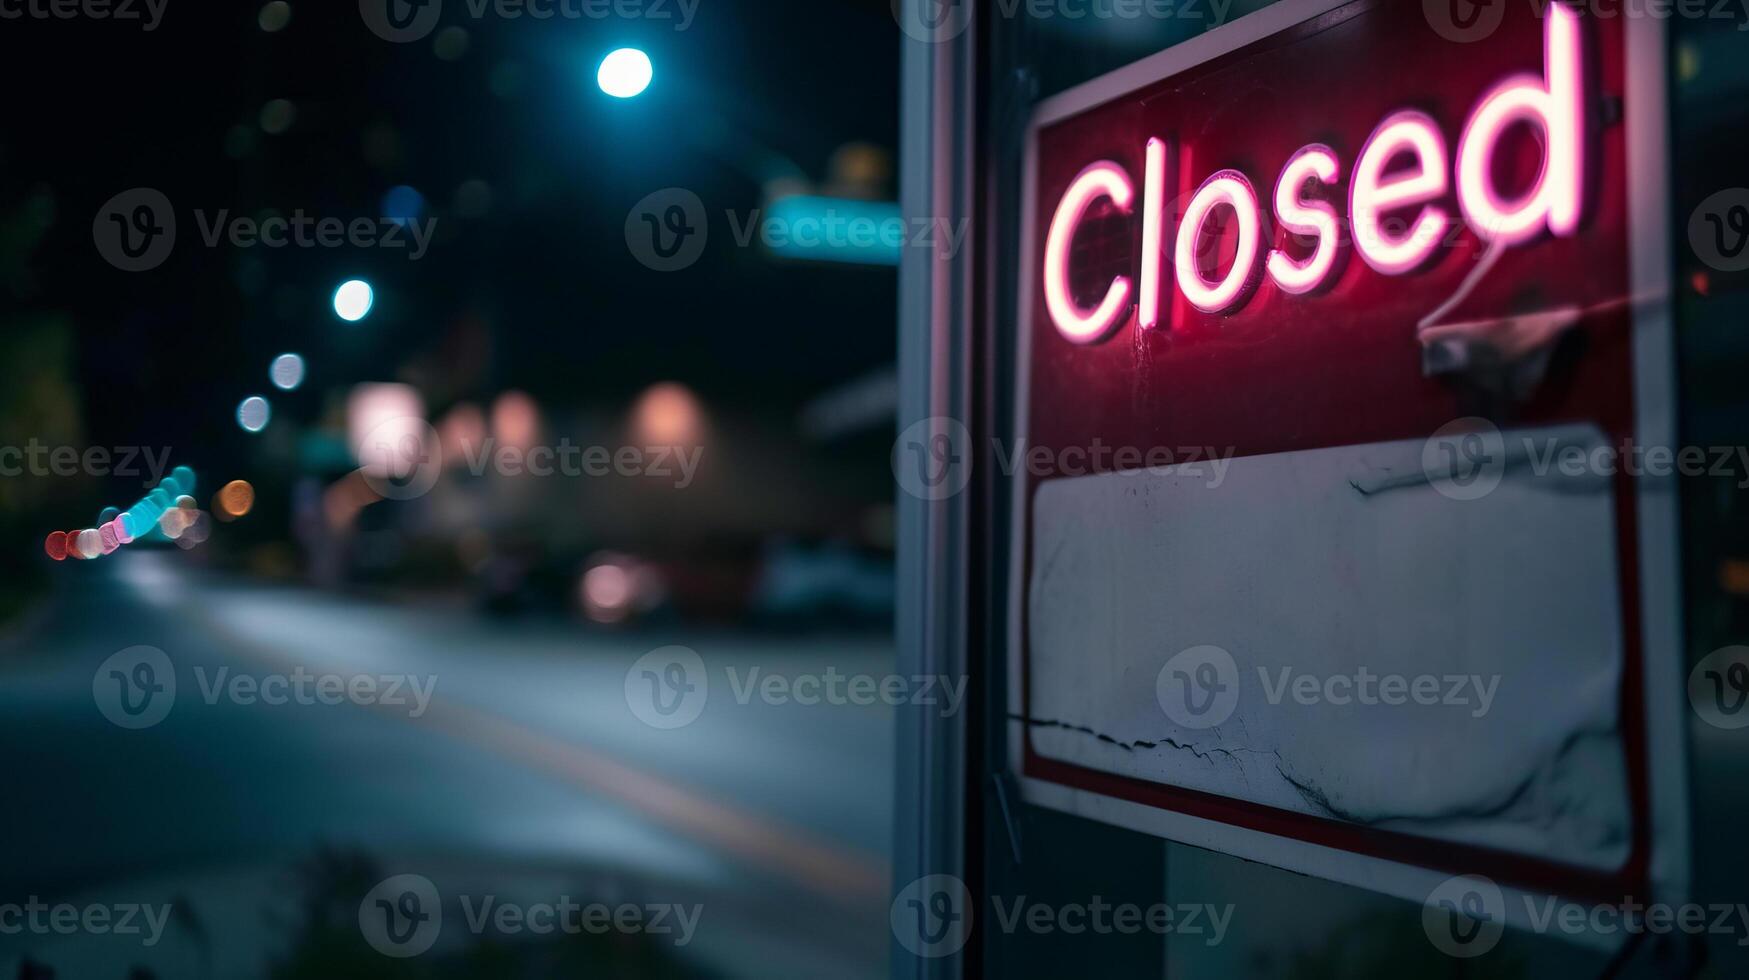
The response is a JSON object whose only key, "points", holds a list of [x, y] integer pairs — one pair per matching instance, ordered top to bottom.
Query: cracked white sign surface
{"points": [[1499, 617]]}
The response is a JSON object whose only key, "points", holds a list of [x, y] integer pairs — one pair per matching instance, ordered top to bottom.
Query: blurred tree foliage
{"points": [[40, 401]]}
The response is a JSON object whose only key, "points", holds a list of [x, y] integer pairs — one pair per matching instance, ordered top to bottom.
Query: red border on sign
{"points": [[1632, 878]]}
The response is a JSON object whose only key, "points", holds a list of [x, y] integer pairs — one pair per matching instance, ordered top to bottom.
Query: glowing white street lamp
{"points": [[625, 73], [353, 300]]}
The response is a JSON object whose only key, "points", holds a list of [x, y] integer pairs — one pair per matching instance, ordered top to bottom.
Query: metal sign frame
{"points": [[1657, 522]]}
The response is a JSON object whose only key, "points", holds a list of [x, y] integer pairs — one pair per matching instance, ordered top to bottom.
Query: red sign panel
{"points": [[1345, 231], [1271, 369]]}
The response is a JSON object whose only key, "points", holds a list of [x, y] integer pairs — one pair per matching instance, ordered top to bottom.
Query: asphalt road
{"points": [[494, 758]]}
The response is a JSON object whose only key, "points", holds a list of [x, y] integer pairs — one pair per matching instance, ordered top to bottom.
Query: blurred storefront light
{"points": [[668, 414], [515, 421], [386, 429], [462, 433], [616, 587]]}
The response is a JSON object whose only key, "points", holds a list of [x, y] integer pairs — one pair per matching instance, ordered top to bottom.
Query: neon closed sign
{"points": [[1396, 188], [1328, 230]]}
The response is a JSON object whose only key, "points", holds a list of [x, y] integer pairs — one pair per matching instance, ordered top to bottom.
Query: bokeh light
{"points": [[274, 16], [450, 44], [625, 73], [507, 80], [277, 116], [239, 141], [382, 147], [472, 199], [403, 204], [353, 300], [287, 372], [668, 414], [253, 415], [515, 420], [386, 429], [461, 432], [235, 499], [174, 521], [117, 528], [196, 528], [616, 587], [607, 593]]}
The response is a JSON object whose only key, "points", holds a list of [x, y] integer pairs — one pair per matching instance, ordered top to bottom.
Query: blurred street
{"points": [[527, 775]]}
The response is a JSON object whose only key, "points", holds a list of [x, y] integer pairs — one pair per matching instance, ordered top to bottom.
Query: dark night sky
{"points": [[95, 108]]}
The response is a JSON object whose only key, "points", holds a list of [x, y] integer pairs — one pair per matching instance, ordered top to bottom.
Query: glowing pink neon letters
{"points": [[1554, 104]]}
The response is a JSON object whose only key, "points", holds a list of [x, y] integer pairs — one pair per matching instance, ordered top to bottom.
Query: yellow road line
{"points": [[819, 866]]}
